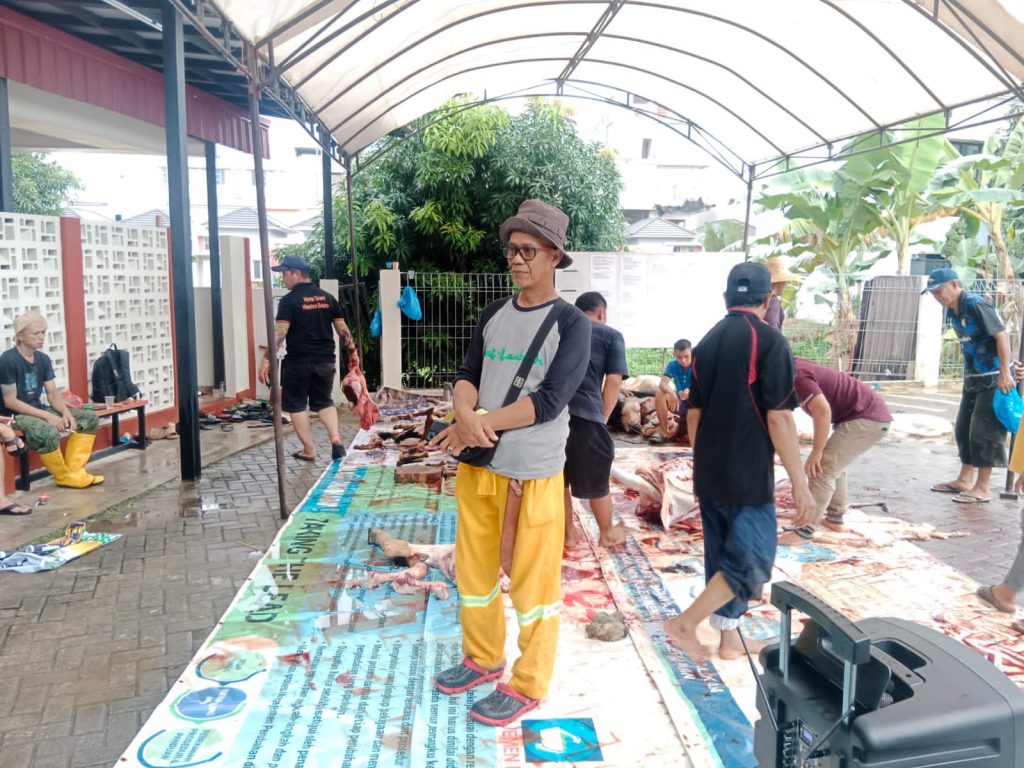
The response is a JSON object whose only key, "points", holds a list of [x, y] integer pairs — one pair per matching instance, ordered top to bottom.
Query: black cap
{"points": [[291, 262], [938, 278], [747, 279]]}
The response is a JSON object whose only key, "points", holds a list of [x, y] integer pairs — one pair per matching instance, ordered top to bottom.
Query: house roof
{"points": [[147, 219], [246, 219], [657, 228]]}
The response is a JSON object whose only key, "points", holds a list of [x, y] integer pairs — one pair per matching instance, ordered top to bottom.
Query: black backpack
{"points": [[111, 375]]}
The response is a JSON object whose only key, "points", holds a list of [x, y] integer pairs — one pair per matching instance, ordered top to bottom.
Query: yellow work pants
{"points": [[536, 573]]}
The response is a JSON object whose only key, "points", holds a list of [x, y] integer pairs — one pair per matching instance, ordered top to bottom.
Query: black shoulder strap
{"points": [[559, 308], [113, 359]]}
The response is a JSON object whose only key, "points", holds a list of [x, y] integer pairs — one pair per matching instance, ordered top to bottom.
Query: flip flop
{"points": [[15, 447], [298, 455], [946, 488], [966, 498], [12, 509], [986, 594]]}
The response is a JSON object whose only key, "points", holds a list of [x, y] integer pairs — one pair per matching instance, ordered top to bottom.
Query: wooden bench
{"points": [[23, 481]]}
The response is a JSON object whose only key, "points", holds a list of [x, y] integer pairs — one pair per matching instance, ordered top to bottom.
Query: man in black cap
{"points": [[307, 318], [740, 414], [980, 437], [511, 511]]}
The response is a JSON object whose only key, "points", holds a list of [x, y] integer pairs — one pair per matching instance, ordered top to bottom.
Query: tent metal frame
{"points": [[265, 75]]}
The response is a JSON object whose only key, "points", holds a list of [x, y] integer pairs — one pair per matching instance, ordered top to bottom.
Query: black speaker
{"points": [[880, 693]]}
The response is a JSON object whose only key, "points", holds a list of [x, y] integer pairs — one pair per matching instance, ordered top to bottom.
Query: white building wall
{"points": [[31, 277]]}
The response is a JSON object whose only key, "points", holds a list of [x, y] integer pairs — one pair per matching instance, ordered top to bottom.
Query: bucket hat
{"points": [[543, 220]]}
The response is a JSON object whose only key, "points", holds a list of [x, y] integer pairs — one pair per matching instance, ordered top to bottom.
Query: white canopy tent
{"points": [[752, 81], [761, 85]]}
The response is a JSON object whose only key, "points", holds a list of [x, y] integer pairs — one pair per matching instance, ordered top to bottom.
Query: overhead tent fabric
{"points": [[752, 80]]}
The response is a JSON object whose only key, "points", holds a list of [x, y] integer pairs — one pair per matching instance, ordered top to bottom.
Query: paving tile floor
{"points": [[87, 651]]}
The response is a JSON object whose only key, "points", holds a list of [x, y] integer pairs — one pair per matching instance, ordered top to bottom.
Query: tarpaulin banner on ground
{"points": [[311, 667]]}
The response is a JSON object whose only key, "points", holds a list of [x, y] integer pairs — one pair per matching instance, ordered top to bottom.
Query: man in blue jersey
{"points": [[673, 392]]}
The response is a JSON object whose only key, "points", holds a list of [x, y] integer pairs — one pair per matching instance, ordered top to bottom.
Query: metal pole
{"points": [[6, 163], [746, 218], [354, 255], [330, 272], [268, 276], [216, 298], [187, 378]]}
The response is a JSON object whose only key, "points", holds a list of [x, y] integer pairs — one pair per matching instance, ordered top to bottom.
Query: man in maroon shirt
{"points": [[859, 419]]}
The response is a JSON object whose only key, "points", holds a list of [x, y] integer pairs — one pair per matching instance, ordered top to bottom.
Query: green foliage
{"points": [[898, 177], [40, 187], [984, 187], [434, 198], [833, 224], [722, 236], [647, 361]]}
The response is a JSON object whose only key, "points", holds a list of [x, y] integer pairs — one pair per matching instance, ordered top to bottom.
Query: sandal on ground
{"points": [[15, 447], [337, 451], [303, 457], [947, 488], [970, 498], [14, 509], [987, 594], [468, 674], [502, 707]]}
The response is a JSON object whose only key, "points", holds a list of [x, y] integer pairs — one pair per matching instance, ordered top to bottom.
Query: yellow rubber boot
{"points": [[77, 454], [54, 461]]}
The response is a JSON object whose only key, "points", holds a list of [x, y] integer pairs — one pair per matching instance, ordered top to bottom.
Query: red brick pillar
{"points": [[74, 306]]}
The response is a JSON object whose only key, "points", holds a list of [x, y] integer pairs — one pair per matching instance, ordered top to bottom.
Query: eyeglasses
{"points": [[526, 252]]}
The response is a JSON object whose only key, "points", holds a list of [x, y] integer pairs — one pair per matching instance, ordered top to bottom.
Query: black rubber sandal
{"points": [[18, 444], [11, 508], [468, 674], [503, 706]]}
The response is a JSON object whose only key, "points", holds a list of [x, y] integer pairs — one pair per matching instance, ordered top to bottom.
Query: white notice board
{"points": [[653, 298]]}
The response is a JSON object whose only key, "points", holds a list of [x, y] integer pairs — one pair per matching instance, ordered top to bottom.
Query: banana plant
{"points": [[897, 172], [982, 187], [832, 227]]}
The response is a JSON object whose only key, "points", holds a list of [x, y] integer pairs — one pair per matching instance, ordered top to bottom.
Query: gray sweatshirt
{"points": [[499, 341]]}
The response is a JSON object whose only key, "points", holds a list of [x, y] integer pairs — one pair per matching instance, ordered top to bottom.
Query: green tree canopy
{"points": [[41, 187], [434, 196]]}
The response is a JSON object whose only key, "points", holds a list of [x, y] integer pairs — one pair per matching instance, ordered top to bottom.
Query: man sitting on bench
{"points": [[25, 372]]}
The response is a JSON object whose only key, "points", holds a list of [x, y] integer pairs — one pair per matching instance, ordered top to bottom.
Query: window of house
{"points": [[966, 146], [645, 149]]}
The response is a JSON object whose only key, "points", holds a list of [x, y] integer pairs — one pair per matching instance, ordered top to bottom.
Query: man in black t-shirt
{"points": [[307, 318], [740, 414], [589, 452]]}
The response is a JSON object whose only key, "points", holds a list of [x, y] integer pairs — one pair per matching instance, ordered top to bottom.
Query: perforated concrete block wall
{"points": [[31, 278], [128, 303]]}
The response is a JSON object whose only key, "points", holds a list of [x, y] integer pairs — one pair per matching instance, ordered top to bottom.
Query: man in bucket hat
{"points": [[774, 316], [985, 344], [511, 511]]}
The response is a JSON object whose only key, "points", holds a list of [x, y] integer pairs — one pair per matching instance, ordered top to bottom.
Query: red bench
{"points": [[24, 478]]}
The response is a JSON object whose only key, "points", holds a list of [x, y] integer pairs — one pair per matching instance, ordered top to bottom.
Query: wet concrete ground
{"points": [[87, 651]]}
